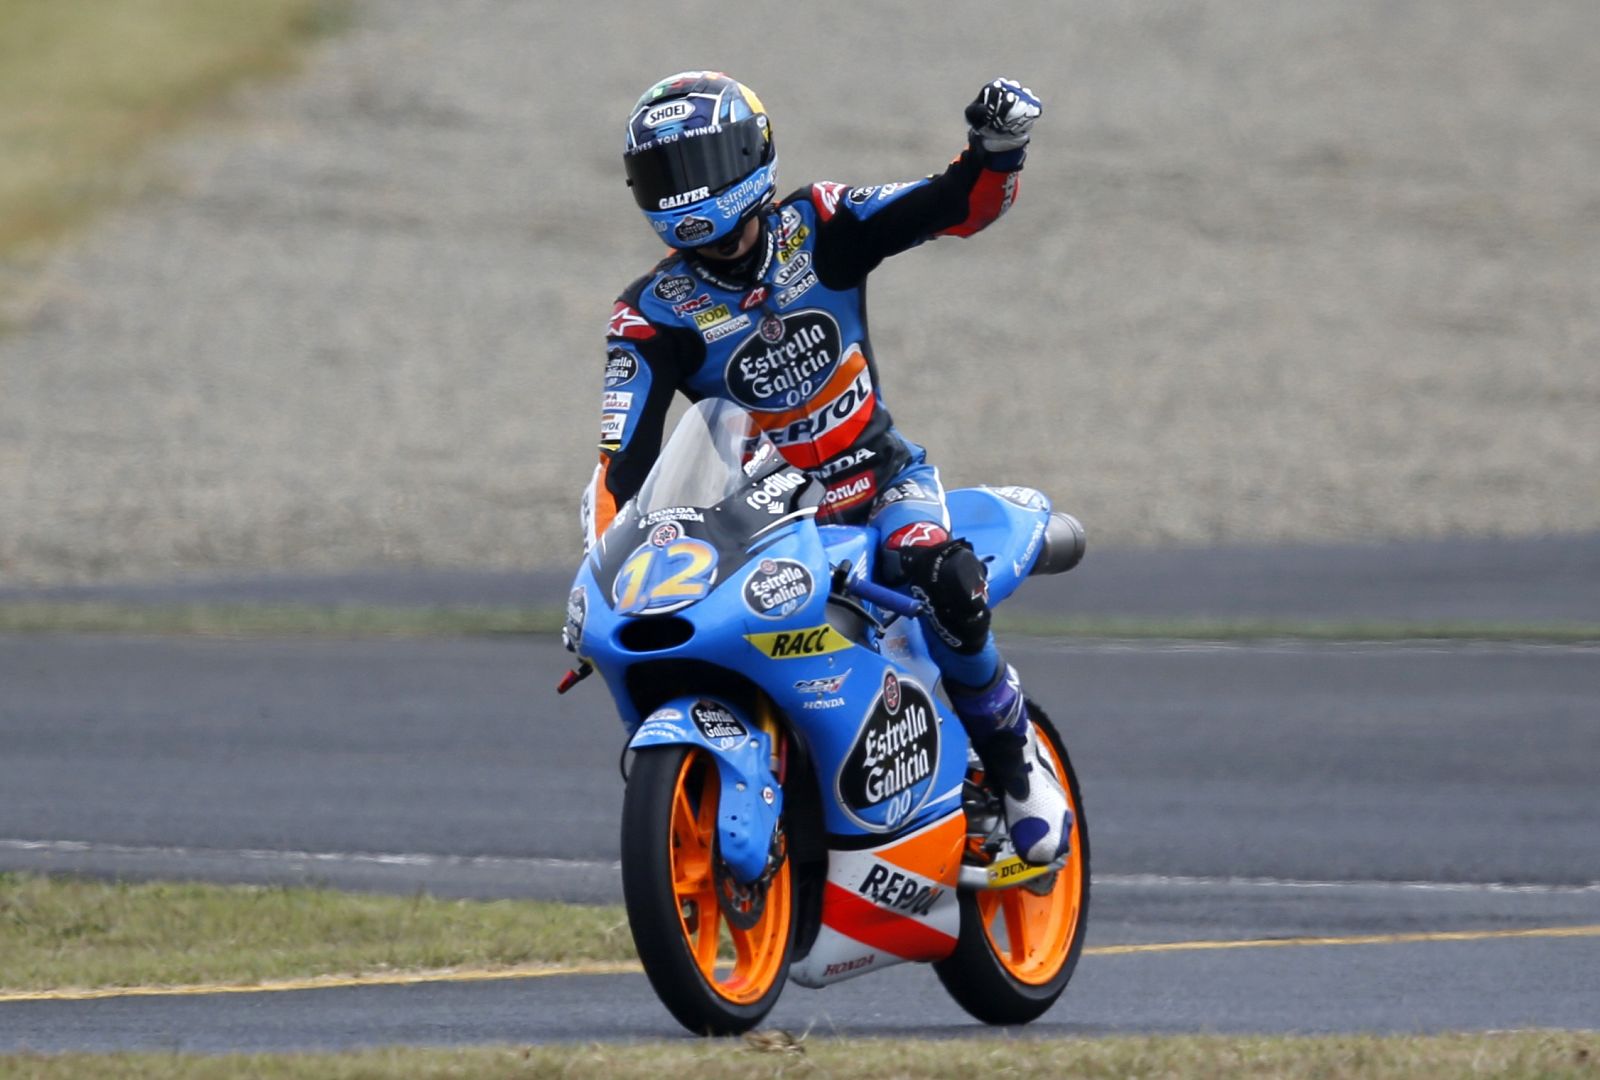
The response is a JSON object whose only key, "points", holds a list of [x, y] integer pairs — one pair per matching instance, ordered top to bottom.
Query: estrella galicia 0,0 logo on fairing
{"points": [[890, 771]]}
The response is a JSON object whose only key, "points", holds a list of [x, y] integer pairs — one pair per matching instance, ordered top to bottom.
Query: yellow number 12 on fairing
{"points": [[665, 578]]}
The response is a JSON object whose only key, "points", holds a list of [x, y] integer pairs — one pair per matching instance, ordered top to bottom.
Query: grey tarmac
{"points": [[1233, 792]]}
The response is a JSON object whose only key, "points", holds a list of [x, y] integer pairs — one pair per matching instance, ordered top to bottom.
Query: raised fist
{"points": [[1002, 115]]}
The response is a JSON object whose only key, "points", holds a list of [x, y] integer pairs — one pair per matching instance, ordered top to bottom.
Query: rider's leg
{"points": [[918, 552]]}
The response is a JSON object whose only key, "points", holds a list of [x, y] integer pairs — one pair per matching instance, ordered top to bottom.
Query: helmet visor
{"points": [[677, 171]]}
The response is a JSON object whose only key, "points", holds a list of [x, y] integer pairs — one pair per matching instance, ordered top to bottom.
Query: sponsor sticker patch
{"points": [[668, 112], [684, 198], [692, 230], [792, 269], [675, 288], [795, 291], [699, 303], [712, 316], [722, 330], [621, 366], [770, 373], [617, 399], [612, 425], [847, 493], [773, 494], [1026, 497], [671, 513], [778, 588], [577, 615], [799, 644], [717, 724], [889, 771], [898, 892]]}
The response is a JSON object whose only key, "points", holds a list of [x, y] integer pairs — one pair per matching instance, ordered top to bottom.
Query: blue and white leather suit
{"points": [[783, 332]]}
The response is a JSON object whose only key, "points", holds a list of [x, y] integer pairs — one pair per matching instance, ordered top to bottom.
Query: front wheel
{"points": [[1019, 946], [716, 952]]}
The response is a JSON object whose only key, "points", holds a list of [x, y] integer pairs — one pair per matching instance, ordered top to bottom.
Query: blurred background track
{"points": [[1279, 271]]}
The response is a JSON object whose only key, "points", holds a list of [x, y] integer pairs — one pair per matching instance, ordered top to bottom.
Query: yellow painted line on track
{"points": [[546, 971], [328, 982]]}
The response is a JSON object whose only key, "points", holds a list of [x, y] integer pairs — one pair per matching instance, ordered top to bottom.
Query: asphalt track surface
{"points": [[1432, 805]]}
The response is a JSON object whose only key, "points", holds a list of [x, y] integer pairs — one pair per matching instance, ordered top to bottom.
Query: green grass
{"points": [[86, 84], [269, 620], [58, 932], [1513, 1056]]}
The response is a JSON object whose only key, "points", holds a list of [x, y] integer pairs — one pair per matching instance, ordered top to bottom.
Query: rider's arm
{"points": [[857, 228], [644, 366]]}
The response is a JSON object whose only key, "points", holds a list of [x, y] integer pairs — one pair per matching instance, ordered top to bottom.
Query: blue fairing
{"points": [[1006, 527], [737, 596], [751, 799]]}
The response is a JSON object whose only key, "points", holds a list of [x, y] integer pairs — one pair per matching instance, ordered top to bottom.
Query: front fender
{"points": [[751, 799]]}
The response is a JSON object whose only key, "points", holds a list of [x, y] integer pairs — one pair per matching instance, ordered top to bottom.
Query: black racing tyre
{"points": [[1018, 947], [716, 953]]}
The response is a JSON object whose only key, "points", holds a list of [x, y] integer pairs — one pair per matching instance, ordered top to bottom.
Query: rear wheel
{"points": [[1019, 946], [716, 952]]}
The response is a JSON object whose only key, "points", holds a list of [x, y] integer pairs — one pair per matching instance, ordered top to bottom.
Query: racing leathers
{"points": [[783, 333]]}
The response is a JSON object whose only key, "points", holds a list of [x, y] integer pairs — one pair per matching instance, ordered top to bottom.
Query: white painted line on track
{"points": [[85, 847], [513, 862], [1178, 881]]}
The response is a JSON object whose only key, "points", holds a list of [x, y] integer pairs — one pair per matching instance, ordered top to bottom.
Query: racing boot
{"points": [[996, 719]]}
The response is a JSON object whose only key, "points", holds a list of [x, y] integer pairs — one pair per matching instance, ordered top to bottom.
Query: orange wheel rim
{"points": [[1032, 934], [757, 953]]}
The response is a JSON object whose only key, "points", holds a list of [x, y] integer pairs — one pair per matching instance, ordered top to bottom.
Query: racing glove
{"points": [[1002, 115]]}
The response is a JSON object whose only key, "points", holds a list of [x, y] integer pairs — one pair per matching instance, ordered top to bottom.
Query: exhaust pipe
{"points": [[1064, 545]]}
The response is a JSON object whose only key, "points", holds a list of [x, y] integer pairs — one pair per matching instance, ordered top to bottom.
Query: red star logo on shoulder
{"points": [[628, 323]]}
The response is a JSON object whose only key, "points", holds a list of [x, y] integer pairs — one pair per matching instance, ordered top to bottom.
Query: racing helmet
{"points": [[699, 158]]}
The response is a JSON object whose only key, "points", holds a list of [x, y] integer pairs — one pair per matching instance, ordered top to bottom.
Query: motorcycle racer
{"points": [[762, 301]]}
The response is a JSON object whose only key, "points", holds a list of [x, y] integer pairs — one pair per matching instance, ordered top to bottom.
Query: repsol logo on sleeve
{"points": [[791, 644]]}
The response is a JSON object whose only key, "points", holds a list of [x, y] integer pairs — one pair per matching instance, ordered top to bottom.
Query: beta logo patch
{"points": [[795, 291], [778, 588], [797, 644], [717, 724], [890, 770]]}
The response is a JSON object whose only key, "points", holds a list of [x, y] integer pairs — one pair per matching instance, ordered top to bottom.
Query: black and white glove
{"points": [[1002, 115]]}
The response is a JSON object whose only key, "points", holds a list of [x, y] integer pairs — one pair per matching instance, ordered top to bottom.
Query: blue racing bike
{"points": [[801, 803]]}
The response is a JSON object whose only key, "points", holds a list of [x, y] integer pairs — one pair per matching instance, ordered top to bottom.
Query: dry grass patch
{"points": [[84, 84], [66, 932], [1515, 1056]]}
